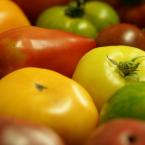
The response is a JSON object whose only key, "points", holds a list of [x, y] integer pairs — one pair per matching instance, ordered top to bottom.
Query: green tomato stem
{"points": [[75, 9], [127, 68]]}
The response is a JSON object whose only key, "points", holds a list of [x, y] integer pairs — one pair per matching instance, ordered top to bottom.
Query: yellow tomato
{"points": [[11, 16], [102, 71], [51, 99]]}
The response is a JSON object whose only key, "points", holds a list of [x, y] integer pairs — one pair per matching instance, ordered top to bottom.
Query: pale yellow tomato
{"points": [[102, 71], [51, 99]]}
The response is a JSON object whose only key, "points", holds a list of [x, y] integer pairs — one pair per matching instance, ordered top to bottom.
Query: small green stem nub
{"points": [[75, 9]]}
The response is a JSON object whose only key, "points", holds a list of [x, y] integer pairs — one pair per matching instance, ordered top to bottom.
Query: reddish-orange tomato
{"points": [[11, 16], [38, 47]]}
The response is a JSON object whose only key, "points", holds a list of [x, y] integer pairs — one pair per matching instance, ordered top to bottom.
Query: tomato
{"points": [[34, 7], [130, 11], [101, 14], [134, 14], [11, 16], [83, 19], [123, 34], [32, 46], [102, 71], [49, 98], [14, 131], [119, 132]]}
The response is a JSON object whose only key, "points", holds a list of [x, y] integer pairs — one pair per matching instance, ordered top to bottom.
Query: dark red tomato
{"points": [[114, 3], [34, 7], [130, 11], [134, 14], [122, 34], [38, 47], [16, 132]]}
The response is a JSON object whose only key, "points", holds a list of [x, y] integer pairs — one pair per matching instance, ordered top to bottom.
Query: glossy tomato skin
{"points": [[34, 8], [101, 14], [11, 16], [56, 18], [122, 34], [32, 46], [101, 77], [49, 98], [14, 131], [119, 132]]}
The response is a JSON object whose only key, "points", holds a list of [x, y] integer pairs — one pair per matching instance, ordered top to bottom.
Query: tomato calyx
{"points": [[75, 9], [127, 68], [40, 87]]}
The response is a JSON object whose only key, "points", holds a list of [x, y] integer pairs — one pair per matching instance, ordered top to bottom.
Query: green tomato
{"points": [[101, 14], [55, 17], [83, 19], [102, 71]]}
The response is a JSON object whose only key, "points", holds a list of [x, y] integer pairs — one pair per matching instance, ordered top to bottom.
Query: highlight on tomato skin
{"points": [[85, 18], [123, 34], [44, 48], [104, 70], [46, 97], [15, 131], [119, 132]]}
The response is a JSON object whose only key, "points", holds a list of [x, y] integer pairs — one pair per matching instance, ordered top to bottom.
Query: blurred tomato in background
{"points": [[33, 8], [130, 11], [11, 16], [14, 131]]}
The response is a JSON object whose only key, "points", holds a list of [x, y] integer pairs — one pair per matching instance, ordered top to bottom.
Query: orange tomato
{"points": [[11, 16], [49, 98]]}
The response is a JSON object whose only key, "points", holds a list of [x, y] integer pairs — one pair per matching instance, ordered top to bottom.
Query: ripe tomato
{"points": [[11, 16], [123, 34], [37, 47], [102, 71], [51, 99], [14, 131]]}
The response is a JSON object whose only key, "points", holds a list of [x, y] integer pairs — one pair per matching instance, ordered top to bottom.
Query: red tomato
{"points": [[34, 7], [134, 14], [123, 34], [38, 47]]}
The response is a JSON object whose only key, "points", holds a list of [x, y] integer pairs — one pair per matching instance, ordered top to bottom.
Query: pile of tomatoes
{"points": [[60, 62]]}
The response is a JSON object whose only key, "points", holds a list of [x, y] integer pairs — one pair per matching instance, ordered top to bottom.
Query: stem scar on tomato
{"points": [[75, 9], [127, 68], [40, 87]]}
